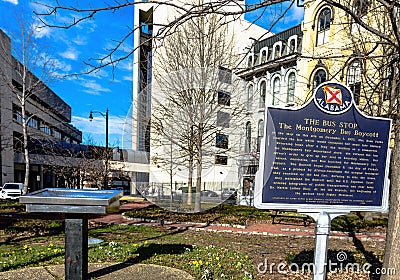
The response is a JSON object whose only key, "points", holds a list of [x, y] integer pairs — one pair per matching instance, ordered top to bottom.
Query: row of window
{"points": [[274, 52], [353, 78], [353, 81], [276, 85], [41, 125]]}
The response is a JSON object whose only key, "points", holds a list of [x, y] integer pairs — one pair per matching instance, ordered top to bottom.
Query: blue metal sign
{"points": [[326, 155]]}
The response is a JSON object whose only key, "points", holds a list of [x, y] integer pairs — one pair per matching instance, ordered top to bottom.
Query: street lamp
{"points": [[106, 162]]}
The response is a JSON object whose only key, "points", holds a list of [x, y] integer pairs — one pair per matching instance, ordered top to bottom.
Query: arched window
{"points": [[360, 7], [324, 24], [292, 46], [277, 51], [263, 56], [250, 61], [319, 78], [354, 79], [291, 86], [275, 91], [263, 92], [249, 96], [260, 133], [247, 144]]}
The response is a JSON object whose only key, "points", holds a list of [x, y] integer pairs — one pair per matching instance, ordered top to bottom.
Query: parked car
{"points": [[11, 190], [208, 193], [229, 194]]}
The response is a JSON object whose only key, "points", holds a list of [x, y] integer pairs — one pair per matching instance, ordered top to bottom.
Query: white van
{"points": [[11, 190]]}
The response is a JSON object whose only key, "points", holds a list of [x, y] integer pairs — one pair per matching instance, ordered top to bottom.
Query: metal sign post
{"points": [[324, 160], [322, 231], [76, 246]]}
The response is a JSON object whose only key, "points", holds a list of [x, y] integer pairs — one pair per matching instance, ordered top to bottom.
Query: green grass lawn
{"points": [[130, 244], [205, 255]]}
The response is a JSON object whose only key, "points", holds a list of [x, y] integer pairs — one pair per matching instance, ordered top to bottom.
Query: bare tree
{"points": [[32, 67], [196, 99], [76, 164]]}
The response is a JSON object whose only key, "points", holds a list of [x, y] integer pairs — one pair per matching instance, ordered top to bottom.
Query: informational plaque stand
{"points": [[324, 160], [76, 204]]}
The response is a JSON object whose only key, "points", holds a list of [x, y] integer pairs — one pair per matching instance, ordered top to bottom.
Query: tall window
{"points": [[360, 7], [324, 24], [292, 46], [277, 51], [263, 56], [250, 61], [319, 78], [354, 79], [291, 87], [275, 91], [263, 92], [249, 96], [260, 133], [247, 143]]}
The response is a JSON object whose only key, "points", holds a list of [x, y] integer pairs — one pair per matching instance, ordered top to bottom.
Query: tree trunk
{"points": [[25, 144], [190, 181], [197, 201], [392, 251]]}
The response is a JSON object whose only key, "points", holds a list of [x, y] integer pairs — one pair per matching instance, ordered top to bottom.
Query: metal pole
{"points": [[106, 167], [322, 230], [76, 246]]}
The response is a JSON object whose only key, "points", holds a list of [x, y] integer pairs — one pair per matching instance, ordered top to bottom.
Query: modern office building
{"points": [[49, 121], [221, 169]]}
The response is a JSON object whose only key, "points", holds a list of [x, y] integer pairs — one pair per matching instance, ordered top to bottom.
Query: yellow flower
{"points": [[146, 242], [51, 244], [134, 245], [25, 247], [30, 248], [55, 250], [246, 257], [217, 258], [200, 262], [207, 263], [219, 265]]}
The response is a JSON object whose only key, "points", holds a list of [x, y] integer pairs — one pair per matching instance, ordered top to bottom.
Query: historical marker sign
{"points": [[326, 155]]}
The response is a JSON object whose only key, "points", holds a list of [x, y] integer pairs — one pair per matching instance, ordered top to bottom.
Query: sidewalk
{"points": [[253, 229], [103, 271]]}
